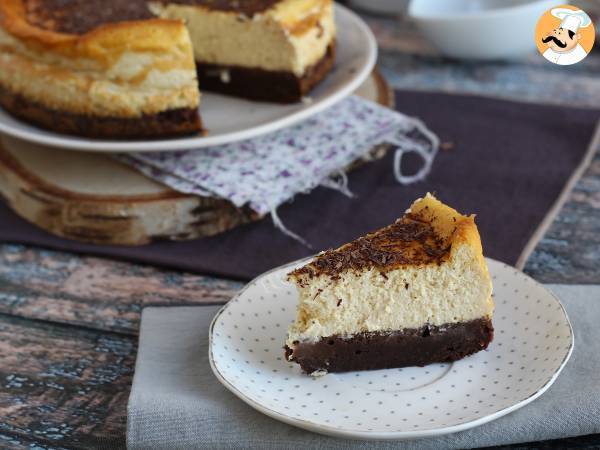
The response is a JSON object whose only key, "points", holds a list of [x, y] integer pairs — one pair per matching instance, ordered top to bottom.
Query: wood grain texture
{"points": [[63, 208], [570, 250], [96, 293], [64, 384], [8, 442]]}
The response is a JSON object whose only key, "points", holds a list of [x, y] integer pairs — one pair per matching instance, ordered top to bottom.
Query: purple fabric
{"points": [[508, 164], [267, 171]]}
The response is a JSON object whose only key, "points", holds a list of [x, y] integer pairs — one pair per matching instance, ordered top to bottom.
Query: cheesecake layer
{"points": [[288, 36], [264, 85], [173, 122], [426, 269], [403, 299], [400, 348]]}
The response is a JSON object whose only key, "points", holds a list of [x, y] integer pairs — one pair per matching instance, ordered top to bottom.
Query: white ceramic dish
{"points": [[391, 7], [480, 29], [230, 119], [533, 342]]}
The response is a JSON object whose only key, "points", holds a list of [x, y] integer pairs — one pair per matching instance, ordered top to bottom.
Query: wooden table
{"points": [[69, 323]]}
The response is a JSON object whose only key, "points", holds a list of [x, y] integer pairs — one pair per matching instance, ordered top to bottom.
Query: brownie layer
{"points": [[264, 85], [174, 122], [384, 350]]}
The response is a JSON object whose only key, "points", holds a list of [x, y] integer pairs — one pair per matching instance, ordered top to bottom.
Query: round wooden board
{"points": [[93, 198]]}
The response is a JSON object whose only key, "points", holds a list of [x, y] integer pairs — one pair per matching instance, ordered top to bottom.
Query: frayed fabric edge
{"points": [[405, 145], [427, 151], [338, 181], [281, 227]]}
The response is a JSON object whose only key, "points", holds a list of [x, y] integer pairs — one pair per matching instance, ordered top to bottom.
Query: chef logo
{"points": [[565, 35]]}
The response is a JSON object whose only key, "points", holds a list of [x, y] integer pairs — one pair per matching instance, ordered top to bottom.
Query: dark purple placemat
{"points": [[508, 164]]}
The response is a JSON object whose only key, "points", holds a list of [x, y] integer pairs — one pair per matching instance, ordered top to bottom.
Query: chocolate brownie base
{"points": [[263, 85], [175, 122], [385, 350]]}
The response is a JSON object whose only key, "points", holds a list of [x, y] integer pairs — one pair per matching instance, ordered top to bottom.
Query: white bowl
{"points": [[381, 6], [480, 29]]}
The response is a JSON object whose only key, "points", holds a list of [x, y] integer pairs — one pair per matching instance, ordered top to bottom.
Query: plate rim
{"points": [[68, 142], [385, 435]]}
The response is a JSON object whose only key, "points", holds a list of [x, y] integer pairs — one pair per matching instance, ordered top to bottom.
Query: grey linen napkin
{"points": [[176, 402]]}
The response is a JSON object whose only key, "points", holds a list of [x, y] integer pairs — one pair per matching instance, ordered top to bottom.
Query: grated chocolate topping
{"points": [[81, 16], [411, 240]]}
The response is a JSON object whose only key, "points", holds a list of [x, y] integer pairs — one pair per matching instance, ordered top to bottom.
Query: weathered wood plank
{"points": [[570, 250], [94, 292], [64, 385]]}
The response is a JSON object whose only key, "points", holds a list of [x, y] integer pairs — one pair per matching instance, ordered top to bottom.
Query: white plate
{"points": [[229, 119], [533, 341]]}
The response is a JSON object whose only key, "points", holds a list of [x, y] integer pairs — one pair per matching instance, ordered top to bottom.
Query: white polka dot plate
{"points": [[533, 341]]}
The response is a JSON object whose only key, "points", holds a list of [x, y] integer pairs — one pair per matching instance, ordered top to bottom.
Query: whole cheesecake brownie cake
{"points": [[130, 68], [413, 293]]}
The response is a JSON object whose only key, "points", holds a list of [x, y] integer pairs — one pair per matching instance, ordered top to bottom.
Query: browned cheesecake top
{"points": [[246, 7], [81, 16], [410, 241]]}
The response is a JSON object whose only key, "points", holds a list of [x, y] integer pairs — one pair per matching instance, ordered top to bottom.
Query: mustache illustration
{"points": [[555, 40]]}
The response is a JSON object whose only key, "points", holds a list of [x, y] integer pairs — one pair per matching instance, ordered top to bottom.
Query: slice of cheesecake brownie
{"points": [[413, 293]]}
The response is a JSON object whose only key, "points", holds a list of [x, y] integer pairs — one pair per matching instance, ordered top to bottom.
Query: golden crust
{"points": [[296, 16], [299, 16], [104, 44], [457, 228]]}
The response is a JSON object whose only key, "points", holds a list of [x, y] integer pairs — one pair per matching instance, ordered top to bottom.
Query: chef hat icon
{"points": [[571, 19]]}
